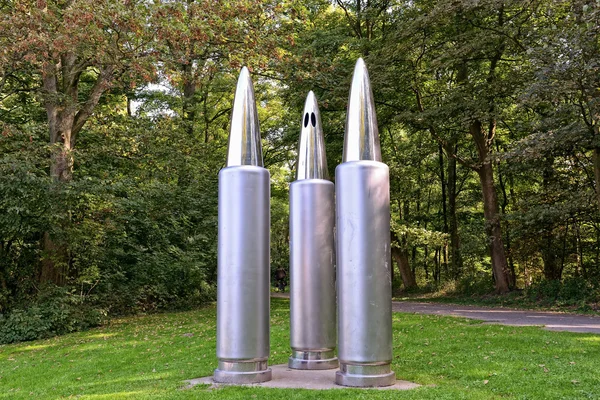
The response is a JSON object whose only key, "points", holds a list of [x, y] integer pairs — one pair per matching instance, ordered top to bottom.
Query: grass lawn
{"points": [[150, 356]]}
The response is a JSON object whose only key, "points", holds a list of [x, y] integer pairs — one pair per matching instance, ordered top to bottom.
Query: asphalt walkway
{"points": [[553, 321]]}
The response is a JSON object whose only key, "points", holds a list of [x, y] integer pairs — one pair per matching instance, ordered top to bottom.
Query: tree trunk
{"points": [[189, 91], [66, 116], [60, 124], [596, 162], [490, 205], [503, 206], [444, 208], [548, 247], [579, 248], [400, 254], [425, 256], [401, 257], [437, 257], [456, 261], [552, 272]]}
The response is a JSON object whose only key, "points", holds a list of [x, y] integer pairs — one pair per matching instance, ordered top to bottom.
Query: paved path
{"points": [[549, 320]]}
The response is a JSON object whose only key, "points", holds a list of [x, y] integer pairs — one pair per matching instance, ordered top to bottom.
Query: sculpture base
{"points": [[313, 360], [242, 372], [377, 375]]}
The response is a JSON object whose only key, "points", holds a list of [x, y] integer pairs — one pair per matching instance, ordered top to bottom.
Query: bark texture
{"points": [[66, 116], [483, 138], [401, 258]]}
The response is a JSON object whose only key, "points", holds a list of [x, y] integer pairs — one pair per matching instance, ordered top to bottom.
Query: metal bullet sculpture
{"points": [[363, 246], [312, 250], [243, 275]]}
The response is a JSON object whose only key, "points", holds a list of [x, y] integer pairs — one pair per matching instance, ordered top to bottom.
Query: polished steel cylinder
{"points": [[363, 247], [312, 250], [243, 261], [363, 274], [312, 275], [243, 277]]}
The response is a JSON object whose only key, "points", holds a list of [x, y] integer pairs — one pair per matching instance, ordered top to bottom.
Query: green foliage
{"points": [[25, 210], [138, 223], [153, 223], [132, 228], [475, 285], [570, 292], [55, 311]]}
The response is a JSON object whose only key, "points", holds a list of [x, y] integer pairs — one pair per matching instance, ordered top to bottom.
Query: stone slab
{"points": [[284, 377]]}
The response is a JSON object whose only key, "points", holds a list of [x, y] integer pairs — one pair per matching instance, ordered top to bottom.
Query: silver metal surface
{"points": [[244, 135], [361, 141], [312, 161], [312, 251], [363, 251], [243, 270], [312, 271], [243, 276], [313, 360], [242, 372], [365, 375]]}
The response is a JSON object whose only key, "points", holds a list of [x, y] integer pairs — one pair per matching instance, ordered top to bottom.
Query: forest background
{"points": [[114, 119]]}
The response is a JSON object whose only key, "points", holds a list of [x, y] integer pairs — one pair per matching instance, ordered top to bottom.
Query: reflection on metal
{"points": [[244, 136], [361, 141], [312, 162], [363, 247], [312, 271], [243, 275]]}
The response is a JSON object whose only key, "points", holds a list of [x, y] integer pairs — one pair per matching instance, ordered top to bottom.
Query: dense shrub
{"points": [[137, 227], [475, 285], [570, 292], [55, 311]]}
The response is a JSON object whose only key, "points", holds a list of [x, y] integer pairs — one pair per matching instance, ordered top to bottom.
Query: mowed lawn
{"points": [[151, 356]]}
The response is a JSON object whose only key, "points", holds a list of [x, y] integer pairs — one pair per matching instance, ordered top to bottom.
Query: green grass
{"points": [[149, 357]]}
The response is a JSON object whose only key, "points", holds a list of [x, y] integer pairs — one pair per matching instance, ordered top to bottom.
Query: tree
{"points": [[200, 42], [75, 51], [78, 51], [456, 58]]}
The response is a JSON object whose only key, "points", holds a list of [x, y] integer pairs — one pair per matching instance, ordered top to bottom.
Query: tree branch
{"points": [[351, 23], [85, 112]]}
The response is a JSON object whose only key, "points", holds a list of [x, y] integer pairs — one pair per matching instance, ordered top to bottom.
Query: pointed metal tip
{"points": [[244, 135], [361, 141], [312, 161]]}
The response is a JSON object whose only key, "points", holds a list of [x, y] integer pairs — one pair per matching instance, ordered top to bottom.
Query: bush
{"points": [[475, 285], [570, 292], [54, 312]]}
